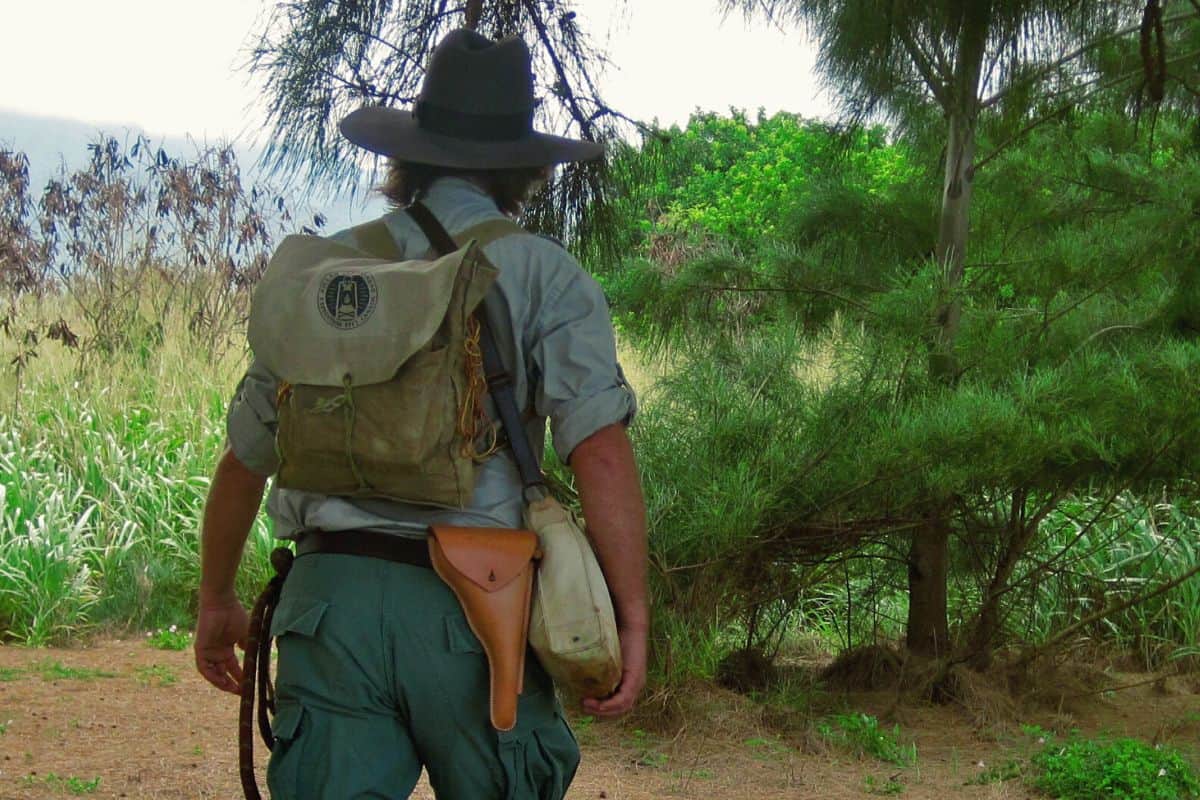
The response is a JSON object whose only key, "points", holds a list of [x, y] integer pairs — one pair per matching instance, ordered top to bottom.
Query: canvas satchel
{"points": [[372, 354], [572, 626], [572, 629]]}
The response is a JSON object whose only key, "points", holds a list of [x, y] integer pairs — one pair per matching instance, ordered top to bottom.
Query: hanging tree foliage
{"points": [[321, 59]]}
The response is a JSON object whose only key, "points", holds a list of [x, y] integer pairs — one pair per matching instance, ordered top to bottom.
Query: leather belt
{"points": [[373, 544]]}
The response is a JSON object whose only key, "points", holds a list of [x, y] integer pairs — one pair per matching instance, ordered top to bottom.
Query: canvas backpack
{"points": [[380, 377]]}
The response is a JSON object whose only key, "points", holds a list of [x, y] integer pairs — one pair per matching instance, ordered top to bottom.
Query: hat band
{"points": [[478, 127]]}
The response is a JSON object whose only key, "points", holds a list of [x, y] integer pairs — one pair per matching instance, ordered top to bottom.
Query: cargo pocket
{"points": [[300, 616], [460, 638], [540, 764], [283, 769]]}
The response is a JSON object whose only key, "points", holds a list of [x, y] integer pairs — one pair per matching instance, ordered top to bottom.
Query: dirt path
{"points": [[123, 720]]}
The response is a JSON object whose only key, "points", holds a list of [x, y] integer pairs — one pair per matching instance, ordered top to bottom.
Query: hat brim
{"points": [[395, 133]]}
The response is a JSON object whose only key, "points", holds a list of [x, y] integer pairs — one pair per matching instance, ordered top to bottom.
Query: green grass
{"points": [[104, 470], [1132, 546], [57, 671], [862, 735], [766, 748], [69, 784]]}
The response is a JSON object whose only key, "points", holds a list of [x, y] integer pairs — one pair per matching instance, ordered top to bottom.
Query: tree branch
{"points": [[1079, 51], [928, 71], [583, 120], [789, 290]]}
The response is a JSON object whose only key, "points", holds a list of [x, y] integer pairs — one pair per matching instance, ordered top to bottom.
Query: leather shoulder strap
{"points": [[489, 231], [374, 237], [499, 381]]}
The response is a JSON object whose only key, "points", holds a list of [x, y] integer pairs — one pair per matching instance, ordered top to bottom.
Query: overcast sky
{"points": [[174, 67]]}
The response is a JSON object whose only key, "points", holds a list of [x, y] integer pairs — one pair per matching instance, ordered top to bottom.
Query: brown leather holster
{"points": [[491, 572]]}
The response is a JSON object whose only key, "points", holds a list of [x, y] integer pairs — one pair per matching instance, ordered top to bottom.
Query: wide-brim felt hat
{"points": [[475, 111]]}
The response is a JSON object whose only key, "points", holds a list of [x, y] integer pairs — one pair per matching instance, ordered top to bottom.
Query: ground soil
{"points": [[142, 722]]}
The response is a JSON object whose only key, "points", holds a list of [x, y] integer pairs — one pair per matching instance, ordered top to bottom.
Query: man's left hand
{"points": [[633, 677]]}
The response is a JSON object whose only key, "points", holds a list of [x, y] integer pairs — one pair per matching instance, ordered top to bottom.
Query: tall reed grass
{"points": [[104, 471]]}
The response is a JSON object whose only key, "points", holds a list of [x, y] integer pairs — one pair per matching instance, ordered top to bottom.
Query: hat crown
{"points": [[470, 73], [475, 111]]}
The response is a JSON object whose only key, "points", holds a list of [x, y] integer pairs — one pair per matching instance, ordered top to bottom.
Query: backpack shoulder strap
{"points": [[374, 237]]}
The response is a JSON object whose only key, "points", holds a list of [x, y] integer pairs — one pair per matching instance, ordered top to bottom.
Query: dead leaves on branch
{"points": [[136, 234]]}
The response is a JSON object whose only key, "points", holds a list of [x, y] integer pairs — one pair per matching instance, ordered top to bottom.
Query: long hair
{"points": [[405, 183]]}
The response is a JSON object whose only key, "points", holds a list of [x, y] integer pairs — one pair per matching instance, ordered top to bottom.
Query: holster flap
{"points": [[491, 558]]}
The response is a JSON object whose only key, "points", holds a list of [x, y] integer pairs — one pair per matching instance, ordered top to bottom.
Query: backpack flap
{"points": [[324, 311]]}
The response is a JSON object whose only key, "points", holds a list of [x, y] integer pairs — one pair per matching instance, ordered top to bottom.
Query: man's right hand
{"points": [[233, 500], [219, 626]]}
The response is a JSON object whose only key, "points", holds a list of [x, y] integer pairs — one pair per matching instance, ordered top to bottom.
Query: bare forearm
{"points": [[611, 496], [233, 501]]}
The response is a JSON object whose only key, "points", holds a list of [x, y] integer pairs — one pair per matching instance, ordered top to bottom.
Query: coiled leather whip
{"points": [[254, 680]]}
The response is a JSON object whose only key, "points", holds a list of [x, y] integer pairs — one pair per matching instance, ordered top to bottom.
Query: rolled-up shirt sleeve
{"points": [[577, 382], [251, 420]]}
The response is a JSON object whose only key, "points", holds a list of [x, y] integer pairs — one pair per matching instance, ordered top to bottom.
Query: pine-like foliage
{"points": [[802, 425]]}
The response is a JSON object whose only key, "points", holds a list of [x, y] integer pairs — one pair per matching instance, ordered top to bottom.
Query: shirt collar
{"points": [[458, 190]]}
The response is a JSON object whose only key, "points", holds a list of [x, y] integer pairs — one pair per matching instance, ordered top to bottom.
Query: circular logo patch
{"points": [[346, 301]]}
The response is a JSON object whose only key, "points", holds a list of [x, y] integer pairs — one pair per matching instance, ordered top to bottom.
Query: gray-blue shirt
{"points": [[560, 350]]}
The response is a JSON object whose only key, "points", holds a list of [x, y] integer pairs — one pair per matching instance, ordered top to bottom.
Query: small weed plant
{"points": [[171, 638], [156, 675], [584, 728], [862, 735], [647, 753], [1084, 769], [999, 773], [887, 786]]}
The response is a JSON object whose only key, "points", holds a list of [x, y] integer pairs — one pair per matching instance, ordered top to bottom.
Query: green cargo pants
{"points": [[379, 675]]}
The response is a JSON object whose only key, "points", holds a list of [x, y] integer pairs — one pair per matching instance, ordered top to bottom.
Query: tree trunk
{"points": [[951, 248], [929, 555], [928, 567], [987, 625]]}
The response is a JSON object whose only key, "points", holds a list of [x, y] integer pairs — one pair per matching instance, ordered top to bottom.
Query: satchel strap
{"points": [[499, 380]]}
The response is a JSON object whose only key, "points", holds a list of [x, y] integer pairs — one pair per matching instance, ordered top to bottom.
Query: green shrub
{"points": [[1083, 769]]}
